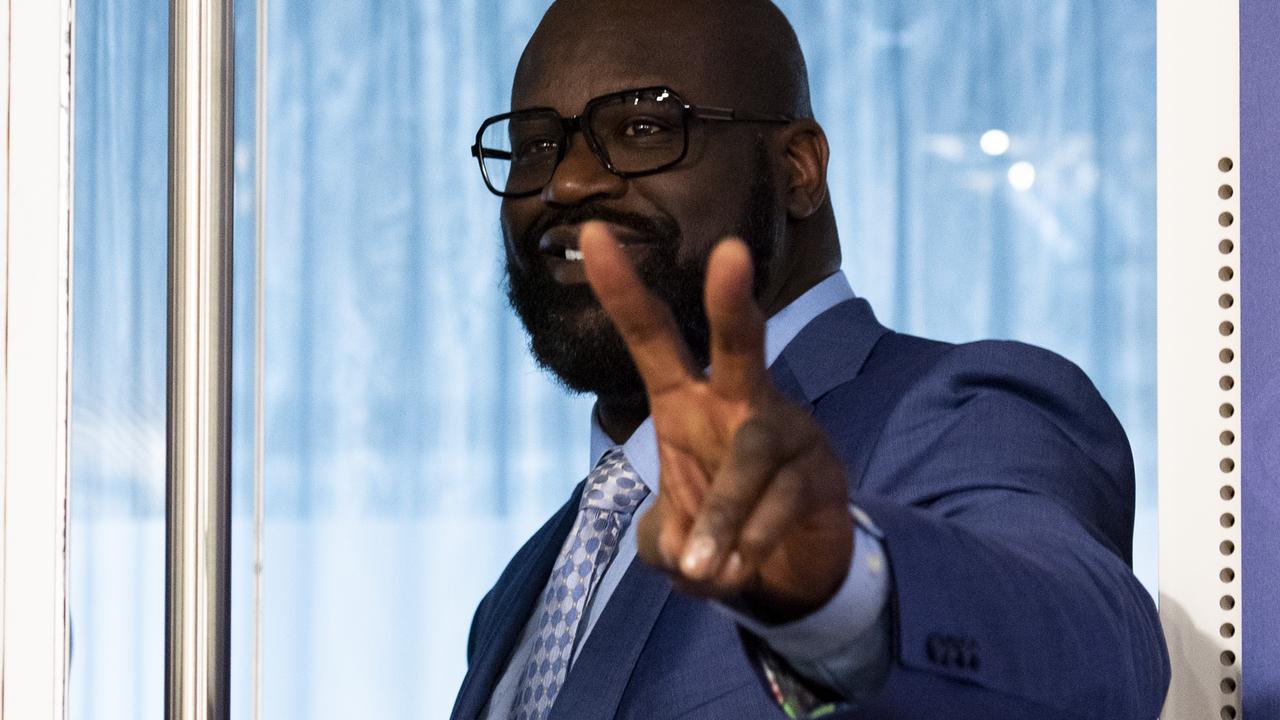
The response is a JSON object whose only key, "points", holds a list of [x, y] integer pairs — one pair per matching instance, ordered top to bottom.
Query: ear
{"points": [[806, 153]]}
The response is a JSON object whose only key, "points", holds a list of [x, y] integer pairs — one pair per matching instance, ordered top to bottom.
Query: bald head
{"points": [[728, 53], [758, 177]]}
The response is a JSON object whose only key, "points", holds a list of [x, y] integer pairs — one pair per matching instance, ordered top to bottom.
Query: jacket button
{"points": [[935, 647], [971, 649], [955, 651]]}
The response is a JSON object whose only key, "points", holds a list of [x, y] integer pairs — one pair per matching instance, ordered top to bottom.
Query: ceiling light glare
{"points": [[994, 142], [1022, 175]]}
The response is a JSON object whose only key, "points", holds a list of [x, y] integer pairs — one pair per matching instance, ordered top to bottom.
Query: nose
{"points": [[581, 176]]}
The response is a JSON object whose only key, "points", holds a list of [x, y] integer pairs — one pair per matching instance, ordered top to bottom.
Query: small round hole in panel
{"points": [[1225, 164], [1225, 192], [1226, 219], [1226, 246], [1225, 273], [1225, 301], [1225, 328], [1226, 355], [1226, 382], [1226, 410], [1227, 437], [1226, 465], [1227, 492], [1227, 520], [1226, 547], [1227, 575], [1227, 602], [1227, 630], [1227, 658], [1228, 686], [1228, 712]]}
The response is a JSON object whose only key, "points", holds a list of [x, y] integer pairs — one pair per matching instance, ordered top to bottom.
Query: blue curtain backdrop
{"points": [[410, 443]]}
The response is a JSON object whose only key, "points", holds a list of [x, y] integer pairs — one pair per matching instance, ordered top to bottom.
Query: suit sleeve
{"points": [[1003, 486]]}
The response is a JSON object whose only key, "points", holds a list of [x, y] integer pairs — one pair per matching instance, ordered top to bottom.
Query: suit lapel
{"points": [[828, 352], [512, 604], [594, 686]]}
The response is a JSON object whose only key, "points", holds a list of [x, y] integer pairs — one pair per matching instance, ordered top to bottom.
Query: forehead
{"points": [[563, 67]]}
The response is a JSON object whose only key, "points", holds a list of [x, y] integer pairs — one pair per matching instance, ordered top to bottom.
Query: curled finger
{"points": [[754, 456]]}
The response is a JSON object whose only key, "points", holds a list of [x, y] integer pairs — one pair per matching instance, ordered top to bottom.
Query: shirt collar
{"points": [[641, 448]]}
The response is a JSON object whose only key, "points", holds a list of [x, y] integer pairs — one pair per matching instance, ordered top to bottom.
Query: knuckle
{"points": [[755, 440], [788, 485], [723, 515]]}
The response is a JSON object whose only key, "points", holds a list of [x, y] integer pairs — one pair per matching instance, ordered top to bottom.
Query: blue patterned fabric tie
{"points": [[613, 492]]}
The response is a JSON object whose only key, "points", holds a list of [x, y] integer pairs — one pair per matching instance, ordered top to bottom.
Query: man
{"points": [[830, 519]]}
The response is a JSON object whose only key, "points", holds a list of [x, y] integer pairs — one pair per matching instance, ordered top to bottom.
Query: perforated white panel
{"points": [[1197, 139]]}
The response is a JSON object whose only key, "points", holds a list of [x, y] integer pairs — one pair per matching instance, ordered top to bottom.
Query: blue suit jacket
{"points": [[1004, 487]]}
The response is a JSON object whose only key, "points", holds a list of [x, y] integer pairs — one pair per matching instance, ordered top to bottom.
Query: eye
{"points": [[642, 127], [534, 149]]}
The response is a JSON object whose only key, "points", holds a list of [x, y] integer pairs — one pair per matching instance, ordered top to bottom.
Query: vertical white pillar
{"points": [[259, 336], [1198, 356], [35, 375], [198, 549]]}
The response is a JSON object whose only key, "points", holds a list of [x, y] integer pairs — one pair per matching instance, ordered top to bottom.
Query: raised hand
{"points": [[753, 505]]}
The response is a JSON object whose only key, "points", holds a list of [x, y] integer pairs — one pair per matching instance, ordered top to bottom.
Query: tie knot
{"points": [[613, 485]]}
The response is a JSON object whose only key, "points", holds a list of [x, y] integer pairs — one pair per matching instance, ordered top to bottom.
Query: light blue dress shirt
{"points": [[844, 644]]}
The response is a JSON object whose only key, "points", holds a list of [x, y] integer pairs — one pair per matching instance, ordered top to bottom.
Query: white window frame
{"points": [[35, 369]]}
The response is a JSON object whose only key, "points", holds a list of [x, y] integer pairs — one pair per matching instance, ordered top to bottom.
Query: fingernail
{"points": [[698, 556], [733, 565]]}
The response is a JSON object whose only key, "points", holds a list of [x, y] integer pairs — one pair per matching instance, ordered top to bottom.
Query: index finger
{"points": [[643, 320], [737, 326]]}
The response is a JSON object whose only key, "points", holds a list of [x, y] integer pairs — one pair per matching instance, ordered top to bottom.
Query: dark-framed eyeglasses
{"points": [[632, 132]]}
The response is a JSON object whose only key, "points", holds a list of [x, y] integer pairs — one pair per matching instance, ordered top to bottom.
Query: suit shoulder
{"points": [[1013, 358], [906, 369], [1010, 378], [1015, 415]]}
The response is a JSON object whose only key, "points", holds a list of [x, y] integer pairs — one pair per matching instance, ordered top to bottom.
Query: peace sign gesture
{"points": [[753, 504]]}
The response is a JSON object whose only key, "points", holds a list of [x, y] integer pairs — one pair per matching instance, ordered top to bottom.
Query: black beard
{"points": [[569, 334]]}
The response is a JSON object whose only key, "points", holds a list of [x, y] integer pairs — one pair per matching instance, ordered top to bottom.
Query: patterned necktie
{"points": [[613, 492]]}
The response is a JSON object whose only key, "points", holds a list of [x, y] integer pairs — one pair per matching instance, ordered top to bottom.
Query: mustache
{"points": [[659, 230]]}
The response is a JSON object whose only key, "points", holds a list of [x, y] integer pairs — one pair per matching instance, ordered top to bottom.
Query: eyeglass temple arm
{"points": [[729, 115], [477, 151]]}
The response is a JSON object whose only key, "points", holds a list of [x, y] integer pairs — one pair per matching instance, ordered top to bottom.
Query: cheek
{"points": [[718, 179], [708, 203], [510, 218], [514, 219]]}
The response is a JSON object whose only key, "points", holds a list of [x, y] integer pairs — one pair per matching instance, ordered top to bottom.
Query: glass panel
{"points": [[992, 164], [118, 361], [411, 445], [243, 610]]}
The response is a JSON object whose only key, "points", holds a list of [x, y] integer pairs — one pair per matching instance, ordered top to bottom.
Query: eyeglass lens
{"points": [[636, 132]]}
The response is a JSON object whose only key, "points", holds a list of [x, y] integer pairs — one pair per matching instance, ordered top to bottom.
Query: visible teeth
{"points": [[571, 254]]}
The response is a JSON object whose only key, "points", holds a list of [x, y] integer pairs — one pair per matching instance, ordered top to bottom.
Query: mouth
{"points": [[559, 247]]}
